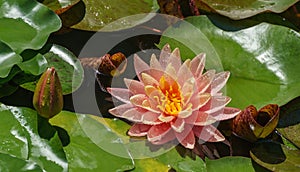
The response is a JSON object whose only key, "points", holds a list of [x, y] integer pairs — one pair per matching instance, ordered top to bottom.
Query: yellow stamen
{"points": [[170, 101]]}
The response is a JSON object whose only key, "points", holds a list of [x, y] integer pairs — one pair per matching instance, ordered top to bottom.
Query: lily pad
{"points": [[247, 8], [122, 13], [26, 24], [8, 58], [68, 67], [263, 69], [20, 138], [83, 152], [276, 157], [11, 163], [230, 164]]}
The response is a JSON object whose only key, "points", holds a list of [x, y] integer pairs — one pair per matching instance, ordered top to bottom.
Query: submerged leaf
{"points": [[246, 8], [101, 13], [276, 157]]}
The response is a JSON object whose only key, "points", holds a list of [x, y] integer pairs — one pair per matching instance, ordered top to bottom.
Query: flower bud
{"points": [[113, 65], [48, 97], [251, 124]]}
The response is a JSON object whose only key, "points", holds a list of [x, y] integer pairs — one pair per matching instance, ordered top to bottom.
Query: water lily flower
{"points": [[173, 101]]}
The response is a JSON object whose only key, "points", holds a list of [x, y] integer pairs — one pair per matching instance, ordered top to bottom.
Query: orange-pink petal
{"points": [[139, 65], [197, 65], [204, 81], [219, 82], [135, 87], [121, 94], [215, 104], [119, 110], [226, 113], [200, 118], [178, 125], [139, 130], [157, 132], [208, 133], [186, 137]]}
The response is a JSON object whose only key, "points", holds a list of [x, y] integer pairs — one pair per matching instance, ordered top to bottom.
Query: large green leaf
{"points": [[247, 8], [101, 13], [26, 24], [8, 58], [262, 59], [68, 68], [20, 138], [83, 152], [276, 157], [12, 163], [229, 164]]}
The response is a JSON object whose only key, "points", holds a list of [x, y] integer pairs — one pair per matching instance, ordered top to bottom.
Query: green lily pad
{"points": [[58, 4], [247, 8], [123, 14], [26, 24], [8, 58], [35, 66], [68, 67], [263, 69], [291, 133], [20, 138], [83, 152], [276, 157], [12, 163], [229, 164]]}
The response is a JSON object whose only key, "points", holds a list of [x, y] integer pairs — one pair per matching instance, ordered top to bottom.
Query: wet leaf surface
{"points": [[247, 8], [26, 24], [68, 68], [262, 71], [20, 138], [276, 157]]}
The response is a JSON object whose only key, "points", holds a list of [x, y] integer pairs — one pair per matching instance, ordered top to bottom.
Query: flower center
{"points": [[170, 103]]}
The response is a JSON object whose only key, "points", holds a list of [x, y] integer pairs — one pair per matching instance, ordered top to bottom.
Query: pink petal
{"points": [[164, 56], [175, 59], [154, 63], [139, 65], [197, 65], [170, 70], [154, 73], [184, 73], [149, 80], [219, 82], [203, 83], [134, 86], [188, 90], [121, 94], [200, 100], [142, 101], [215, 104], [119, 110], [185, 113], [226, 113], [134, 114], [151, 118], [166, 118], [200, 119], [178, 125], [139, 130], [157, 132], [208, 133], [169, 136], [186, 137]]}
